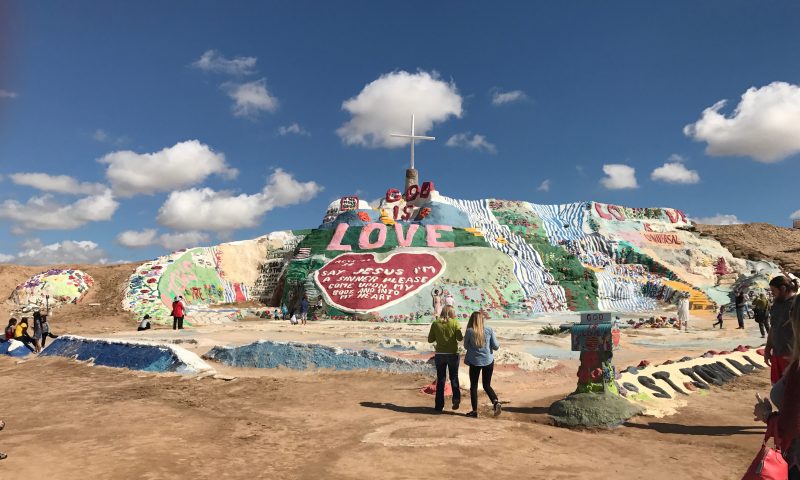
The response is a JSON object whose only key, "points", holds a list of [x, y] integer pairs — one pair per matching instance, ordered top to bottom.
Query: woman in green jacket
{"points": [[446, 334]]}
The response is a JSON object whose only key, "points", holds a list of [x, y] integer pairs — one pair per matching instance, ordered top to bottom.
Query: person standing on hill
{"points": [[740, 306], [761, 307], [304, 309], [683, 311], [177, 314], [37, 331], [445, 332], [781, 336], [480, 342]]}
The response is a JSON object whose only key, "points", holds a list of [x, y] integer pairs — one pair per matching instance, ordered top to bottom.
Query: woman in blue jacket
{"points": [[480, 342]]}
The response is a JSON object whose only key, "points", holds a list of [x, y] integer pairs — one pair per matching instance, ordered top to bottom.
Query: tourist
{"points": [[436, 298], [449, 299], [740, 307], [304, 309], [285, 311], [683, 311], [761, 311], [177, 314], [719, 317], [293, 319], [144, 324], [12, 325], [37, 331], [46, 331], [445, 332], [21, 334], [781, 336], [480, 342], [785, 394], [3, 456]]}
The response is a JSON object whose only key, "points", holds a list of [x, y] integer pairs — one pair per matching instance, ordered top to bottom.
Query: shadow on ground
{"points": [[705, 430]]}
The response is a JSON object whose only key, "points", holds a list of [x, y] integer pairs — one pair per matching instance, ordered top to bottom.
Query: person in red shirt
{"points": [[177, 314], [12, 325]]}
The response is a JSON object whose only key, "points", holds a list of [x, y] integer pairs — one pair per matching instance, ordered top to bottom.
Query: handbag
{"points": [[769, 464]]}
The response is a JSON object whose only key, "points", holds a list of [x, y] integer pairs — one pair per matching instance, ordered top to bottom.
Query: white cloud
{"points": [[213, 61], [8, 94], [251, 98], [502, 98], [385, 106], [765, 124], [293, 129], [103, 136], [477, 142], [182, 165], [675, 172], [619, 177], [57, 183], [544, 186], [221, 211], [43, 213], [795, 215], [718, 219], [134, 239], [169, 241], [176, 241], [69, 251], [5, 258]]}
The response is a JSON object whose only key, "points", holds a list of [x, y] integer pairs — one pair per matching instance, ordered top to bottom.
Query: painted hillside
{"points": [[512, 258]]}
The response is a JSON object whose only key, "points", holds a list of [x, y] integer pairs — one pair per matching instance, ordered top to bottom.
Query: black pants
{"points": [[740, 317], [718, 322], [177, 323], [764, 326], [139, 329], [44, 337], [27, 341], [445, 362], [474, 373], [794, 473]]}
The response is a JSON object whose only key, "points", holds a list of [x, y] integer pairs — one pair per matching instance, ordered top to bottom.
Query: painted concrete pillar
{"points": [[412, 177]]}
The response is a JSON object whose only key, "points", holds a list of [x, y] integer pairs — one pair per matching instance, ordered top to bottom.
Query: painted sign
{"points": [[379, 231], [662, 238], [358, 282], [595, 317], [601, 337]]}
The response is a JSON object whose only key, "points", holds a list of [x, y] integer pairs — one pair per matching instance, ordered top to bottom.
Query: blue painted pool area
{"points": [[302, 356]]}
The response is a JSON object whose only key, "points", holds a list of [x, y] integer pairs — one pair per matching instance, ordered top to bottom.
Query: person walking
{"points": [[740, 307], [761, 307], [304, 309], [683, 311], [177, 314], [719, 317], [37, 331], [46, 331], [445, 332], [781, 335], [480, 342]]}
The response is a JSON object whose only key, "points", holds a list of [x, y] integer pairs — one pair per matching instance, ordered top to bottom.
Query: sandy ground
{"points": [[68, 420]]}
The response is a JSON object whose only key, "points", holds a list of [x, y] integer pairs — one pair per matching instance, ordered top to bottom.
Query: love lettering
{"points": [[433, 235]]}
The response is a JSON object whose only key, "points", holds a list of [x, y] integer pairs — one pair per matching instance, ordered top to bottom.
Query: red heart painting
{"points": [[359, 283]]}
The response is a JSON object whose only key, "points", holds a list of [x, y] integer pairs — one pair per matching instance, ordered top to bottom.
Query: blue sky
{"points": [[554, 91]]}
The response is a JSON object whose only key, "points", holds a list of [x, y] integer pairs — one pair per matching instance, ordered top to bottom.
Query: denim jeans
{"points": [[740, 317], [444, 362], [474, 373]]}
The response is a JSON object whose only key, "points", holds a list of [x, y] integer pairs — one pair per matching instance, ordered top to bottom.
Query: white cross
{"points": [[413, 139]]}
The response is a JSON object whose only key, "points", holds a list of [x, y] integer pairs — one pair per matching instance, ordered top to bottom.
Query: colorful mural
{"points": [[52, 288]]}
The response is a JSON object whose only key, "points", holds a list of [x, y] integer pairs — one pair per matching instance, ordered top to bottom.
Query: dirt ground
{"points": [[67, 420]]}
